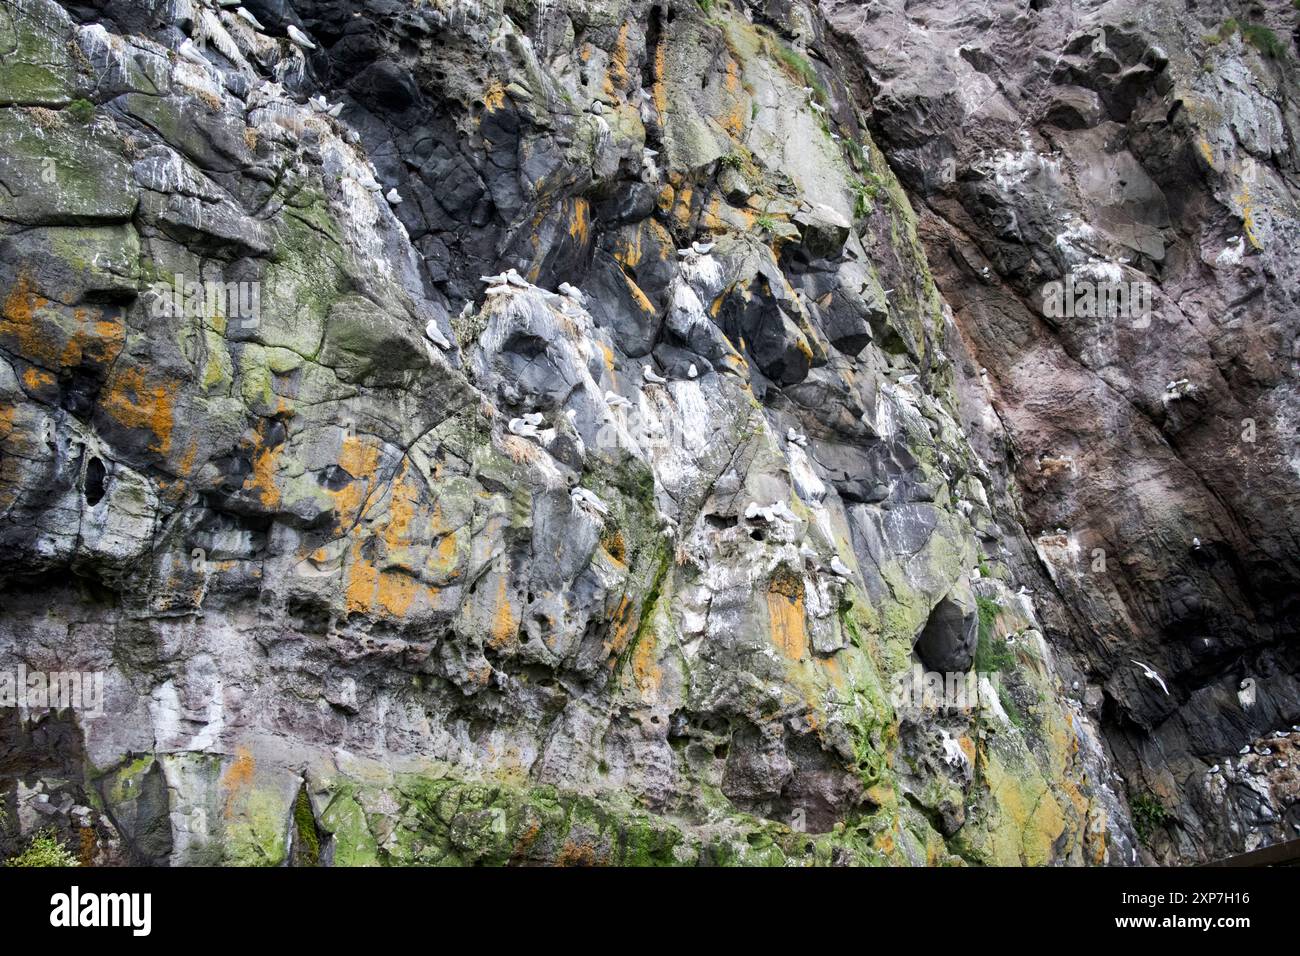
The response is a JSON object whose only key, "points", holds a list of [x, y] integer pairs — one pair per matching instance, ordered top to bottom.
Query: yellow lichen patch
{"points": [[617, 77], [660, 92], [494, 97], [734, 121], [1207, 152], [1244, 201], [681, 211], [580, 222], [18, 322], [36, 379], [134, 403], [360, 460], [262, 479], [401, 509], [615, 546], [444, 555], [363, 577], [396, 592], [786, 613], [504, 623], [620, 631], [645, 664], [831, 666], [238, 776], [1030, 818]]}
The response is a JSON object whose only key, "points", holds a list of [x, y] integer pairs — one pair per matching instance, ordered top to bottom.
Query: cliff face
{"points": [[1156, 143], [627, 551]]}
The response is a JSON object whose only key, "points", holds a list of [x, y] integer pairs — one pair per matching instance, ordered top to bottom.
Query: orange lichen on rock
{"points": [[617, 77], [580, 222], [18, 322], [130, 400], [360, 460], [263, 477], [785, 610], [504, 623], [620, 631], [645, 663], [238, 776]]}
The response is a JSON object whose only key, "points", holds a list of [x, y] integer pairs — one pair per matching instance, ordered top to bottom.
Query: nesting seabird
{"points": [[248, 18], [298, 38], [189, 51], [393, 196], [702, 248], [573, 293], [434, 334], [692, 372], [651, 376], [615, 400], [534, 418], [517, 426], [795, 438], [584, 498], [839, 568], [1149, 672]]}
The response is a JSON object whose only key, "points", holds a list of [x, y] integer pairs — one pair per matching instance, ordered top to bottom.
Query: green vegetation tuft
{"points": [[1256, 34], [1264, 40], [81, 110], [765, 223], [991, 653], [1149, 814], [305, 821], [45, 849]]}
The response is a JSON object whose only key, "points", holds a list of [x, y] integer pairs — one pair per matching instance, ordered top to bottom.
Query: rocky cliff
{"points": [[570, 432]]}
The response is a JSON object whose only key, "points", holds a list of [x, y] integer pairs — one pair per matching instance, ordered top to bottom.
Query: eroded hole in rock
{"points": [[95, 479], [947, 642]]}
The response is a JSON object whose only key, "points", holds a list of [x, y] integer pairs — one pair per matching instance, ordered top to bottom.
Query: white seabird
{"points": [[248, 18], [298, 38], [188, 51], [393, 196], [702, 248], [573, 293], [434, 334], [692, 372], [651, 376], [615, 400], [534, 418], [517, 426], [795, 438], [584, 498], [839, 568], [1149, 672]]}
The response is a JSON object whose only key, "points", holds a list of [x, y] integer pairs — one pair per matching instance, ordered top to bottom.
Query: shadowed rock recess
{"points": [[564, 433]]}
